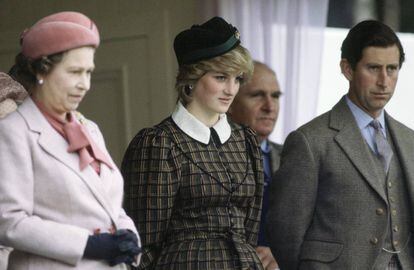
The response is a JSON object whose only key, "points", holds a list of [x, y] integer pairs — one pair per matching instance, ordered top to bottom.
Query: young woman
{"points": [[193, 183], [60, 192]]}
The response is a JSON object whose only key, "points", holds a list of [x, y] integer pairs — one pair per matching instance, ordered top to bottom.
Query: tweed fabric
{"points": [[11, 89], [12, 94], [196, 206], [328, 209], [399, 223], [394, 264]]}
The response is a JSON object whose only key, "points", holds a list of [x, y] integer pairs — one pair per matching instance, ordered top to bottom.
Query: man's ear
{"points": [[346, 69]]}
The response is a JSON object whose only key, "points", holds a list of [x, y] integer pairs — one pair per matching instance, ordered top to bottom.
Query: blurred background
{"points": [[133, 85]]}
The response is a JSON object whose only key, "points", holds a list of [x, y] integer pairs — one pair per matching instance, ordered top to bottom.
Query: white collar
{"points": [[196, 129]]}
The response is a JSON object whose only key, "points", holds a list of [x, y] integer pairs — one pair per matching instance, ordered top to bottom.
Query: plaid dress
{"points": [[196, 206]]}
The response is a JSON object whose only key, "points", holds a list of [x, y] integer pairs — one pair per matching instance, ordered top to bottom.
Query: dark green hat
{"points": [[210, 39]]}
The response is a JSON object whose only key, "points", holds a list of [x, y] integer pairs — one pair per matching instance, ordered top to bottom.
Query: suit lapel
{"points": [[403, 142], [353, 144], [56, 146], [275, 151], [97, 184]]}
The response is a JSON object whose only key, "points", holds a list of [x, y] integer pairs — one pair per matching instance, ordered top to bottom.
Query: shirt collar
{"points": [[362, 118], [196, 129], [265, 146]]}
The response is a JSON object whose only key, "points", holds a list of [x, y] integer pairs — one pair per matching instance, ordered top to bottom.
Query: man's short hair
{"points": [[369, 33]]}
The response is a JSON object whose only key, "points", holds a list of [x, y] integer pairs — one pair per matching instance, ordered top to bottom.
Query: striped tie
{"points": [[384, 150]]}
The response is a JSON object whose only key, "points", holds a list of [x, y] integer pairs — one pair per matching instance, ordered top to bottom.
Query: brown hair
{"points": [[369, 33], [25, 70]]}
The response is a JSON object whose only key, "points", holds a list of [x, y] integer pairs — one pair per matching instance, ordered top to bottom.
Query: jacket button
{"points": [[389, 184], [379, 211], [394, 212], [395, 228], [374, 240], [396, 243]]}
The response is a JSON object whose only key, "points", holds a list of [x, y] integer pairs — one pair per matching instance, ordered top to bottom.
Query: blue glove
{"points": [[120, 247], [128, 247]]}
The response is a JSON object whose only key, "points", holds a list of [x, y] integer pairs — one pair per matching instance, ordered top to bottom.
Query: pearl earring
{"points": [[40, 81], [188, 88]]}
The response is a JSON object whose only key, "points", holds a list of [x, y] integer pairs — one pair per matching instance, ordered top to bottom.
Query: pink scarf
{"points": [[78, 138]]}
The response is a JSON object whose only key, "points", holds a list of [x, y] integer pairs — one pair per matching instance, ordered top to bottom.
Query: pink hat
{"points": [[57, 33]]}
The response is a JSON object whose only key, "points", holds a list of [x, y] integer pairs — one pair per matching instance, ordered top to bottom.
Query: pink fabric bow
{"points": [[78, 138], [81, 142]]}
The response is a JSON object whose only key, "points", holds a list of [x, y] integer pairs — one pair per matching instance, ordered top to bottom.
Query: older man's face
{"points": [[257, 103]]}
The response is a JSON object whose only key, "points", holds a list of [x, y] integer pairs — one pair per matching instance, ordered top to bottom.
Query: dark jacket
{"points": [[196, 206]]}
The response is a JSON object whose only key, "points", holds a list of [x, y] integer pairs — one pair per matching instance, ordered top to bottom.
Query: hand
{"points": [[120, 247], [128, 247], [266, 257]]}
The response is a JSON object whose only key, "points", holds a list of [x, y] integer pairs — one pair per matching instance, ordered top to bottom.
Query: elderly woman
{"points": [[193, 183], [60, 192]]}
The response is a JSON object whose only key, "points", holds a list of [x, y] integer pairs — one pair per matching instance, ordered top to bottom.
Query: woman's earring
{"points": [[40, 81], [188, 88]]}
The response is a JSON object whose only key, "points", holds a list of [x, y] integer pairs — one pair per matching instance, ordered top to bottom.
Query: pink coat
{"points": [[48, 207]]}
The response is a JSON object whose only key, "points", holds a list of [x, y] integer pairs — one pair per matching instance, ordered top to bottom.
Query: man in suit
{"points": [[257, 106], [342, 197]]}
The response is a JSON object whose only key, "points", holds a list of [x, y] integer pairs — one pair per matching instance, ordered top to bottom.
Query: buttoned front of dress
{"points": [[203, 209]]}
